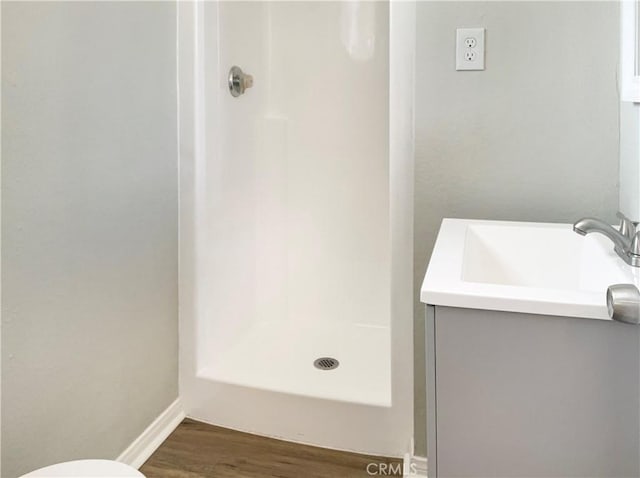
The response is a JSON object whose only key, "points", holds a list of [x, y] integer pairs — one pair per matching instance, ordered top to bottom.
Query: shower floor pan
{"points": [[279, 356]]}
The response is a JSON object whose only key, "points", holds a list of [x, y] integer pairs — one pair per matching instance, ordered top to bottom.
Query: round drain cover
{"points": [[326, 363]]}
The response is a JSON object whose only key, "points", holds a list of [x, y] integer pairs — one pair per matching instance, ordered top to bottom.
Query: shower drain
{"points": [[326, 363]]}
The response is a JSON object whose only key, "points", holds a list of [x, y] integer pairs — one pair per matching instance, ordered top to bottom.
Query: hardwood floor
{"points": [[198, 450]]}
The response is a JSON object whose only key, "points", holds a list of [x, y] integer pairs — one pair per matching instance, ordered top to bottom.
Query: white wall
{"points": [[629, 114], [534, 137], [630, 160], [298, 174], [89, 223]]}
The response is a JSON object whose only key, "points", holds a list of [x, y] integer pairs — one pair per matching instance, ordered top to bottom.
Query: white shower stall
{"points": [[296, 202]]}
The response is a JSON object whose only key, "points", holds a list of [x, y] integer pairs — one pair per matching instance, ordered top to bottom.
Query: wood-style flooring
{"points": [[198, 450]]}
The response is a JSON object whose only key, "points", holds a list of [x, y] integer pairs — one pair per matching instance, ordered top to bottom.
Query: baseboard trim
{"points": [[149, 440], [414, 466]]}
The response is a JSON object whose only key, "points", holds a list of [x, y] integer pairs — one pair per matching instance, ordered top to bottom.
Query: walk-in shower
{"points": [[296, 220]]}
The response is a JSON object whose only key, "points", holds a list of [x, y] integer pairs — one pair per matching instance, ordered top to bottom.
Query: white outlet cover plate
{"points": [[462, 35]]}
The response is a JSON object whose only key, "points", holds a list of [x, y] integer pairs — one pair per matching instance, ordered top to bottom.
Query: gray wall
{"points": [[534, 137], [89, 224]]}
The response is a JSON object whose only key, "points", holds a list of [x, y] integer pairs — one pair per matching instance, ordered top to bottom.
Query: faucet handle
{"points": [[627, 227], [634, 248]]}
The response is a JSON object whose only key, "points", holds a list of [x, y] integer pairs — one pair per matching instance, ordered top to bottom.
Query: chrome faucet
{"points": [[626, 238]]}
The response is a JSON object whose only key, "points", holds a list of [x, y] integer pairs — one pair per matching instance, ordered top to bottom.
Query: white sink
{"points": [[523, 267]]}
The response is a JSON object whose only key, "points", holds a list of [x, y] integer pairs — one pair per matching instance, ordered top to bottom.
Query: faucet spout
{"points": [[588, 225]]}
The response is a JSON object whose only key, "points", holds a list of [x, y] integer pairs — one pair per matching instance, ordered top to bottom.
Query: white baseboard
{"points": [[149, 440], [414, 466]]}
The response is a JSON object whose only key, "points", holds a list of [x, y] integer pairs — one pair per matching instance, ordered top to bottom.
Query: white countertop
{"points": [[534, 268]]}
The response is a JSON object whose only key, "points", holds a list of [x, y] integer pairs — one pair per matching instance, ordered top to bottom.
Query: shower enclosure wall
{"points": [[296, 220]]}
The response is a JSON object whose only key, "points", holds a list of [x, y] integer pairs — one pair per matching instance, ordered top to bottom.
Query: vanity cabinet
{"points": [[523, 395]]}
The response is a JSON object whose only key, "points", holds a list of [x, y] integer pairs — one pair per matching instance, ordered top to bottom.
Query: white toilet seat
{"points": [[86, 469]]}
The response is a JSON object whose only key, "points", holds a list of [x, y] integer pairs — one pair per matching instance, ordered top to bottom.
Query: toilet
{"points": [[86, 469]]}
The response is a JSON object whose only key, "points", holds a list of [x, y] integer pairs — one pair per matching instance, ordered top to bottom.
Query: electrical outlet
{"points": [[470, 49]]}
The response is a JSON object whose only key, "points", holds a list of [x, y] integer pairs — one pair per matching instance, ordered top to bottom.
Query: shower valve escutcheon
{"points": [[239, 81]]}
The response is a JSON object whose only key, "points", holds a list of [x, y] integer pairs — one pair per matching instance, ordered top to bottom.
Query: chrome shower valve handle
{"points": [[239, 81]]}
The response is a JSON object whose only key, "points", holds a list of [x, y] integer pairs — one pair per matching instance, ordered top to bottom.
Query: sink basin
{"points": [[523, 267]]}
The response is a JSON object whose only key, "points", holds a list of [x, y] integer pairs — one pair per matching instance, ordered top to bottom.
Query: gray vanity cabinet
{"points": [[518, 395]]}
